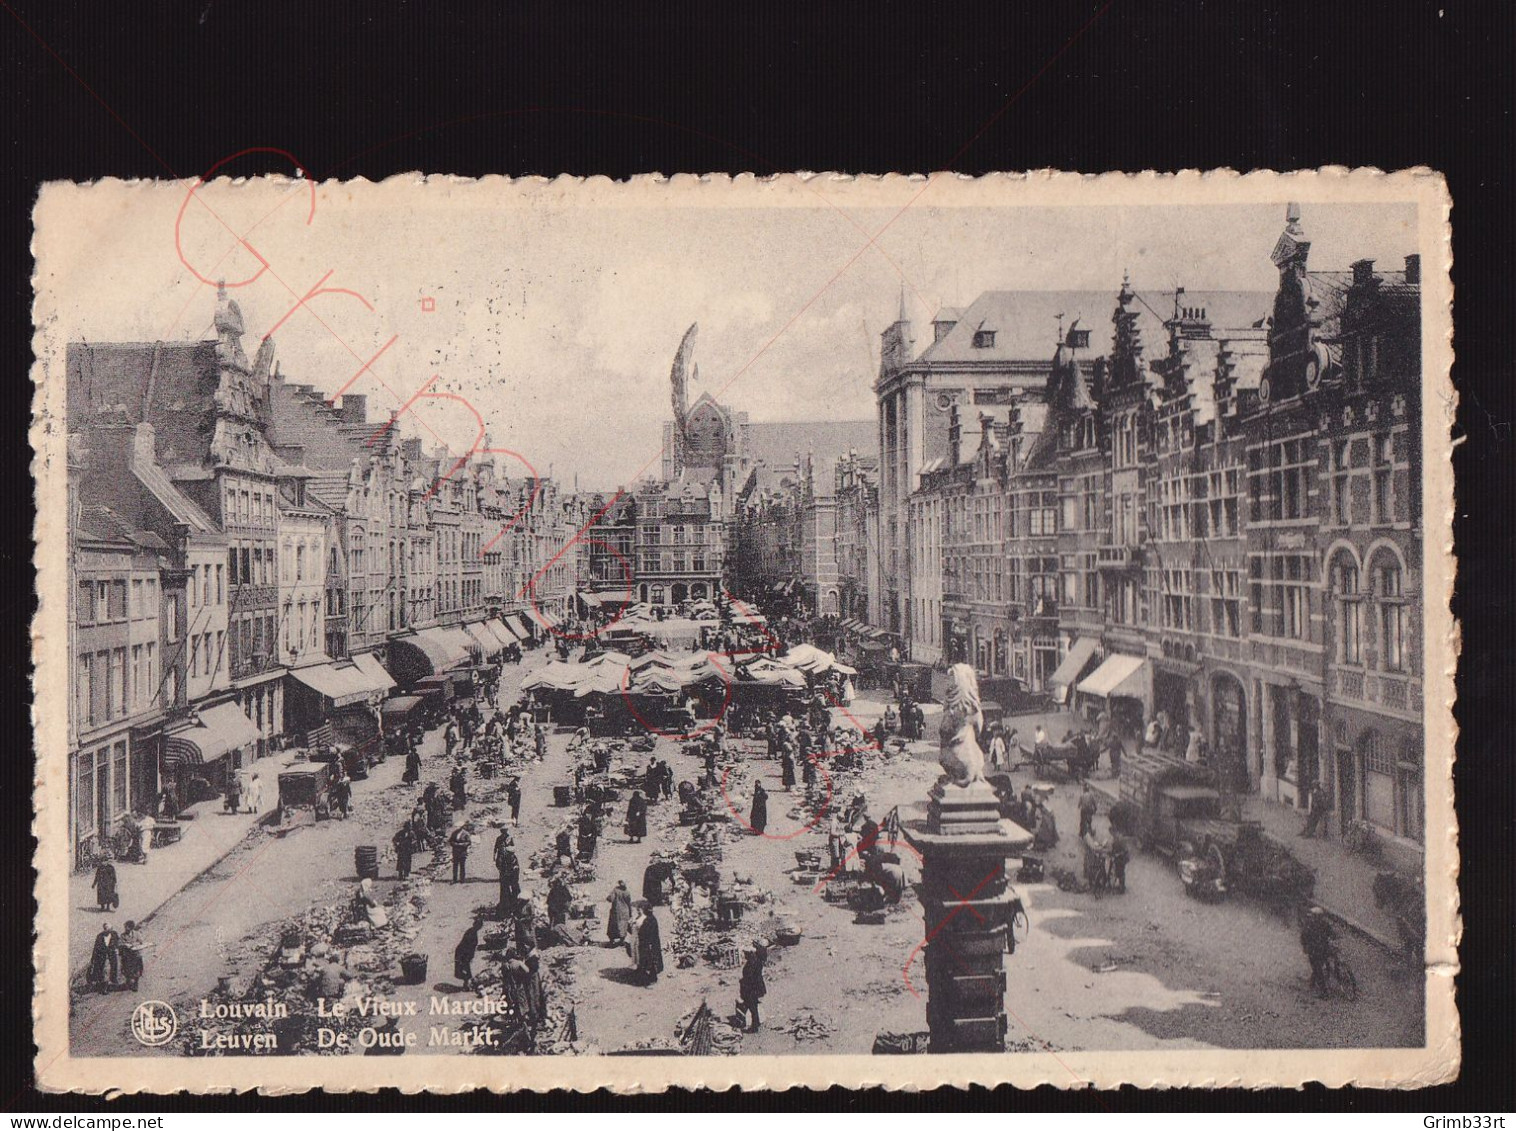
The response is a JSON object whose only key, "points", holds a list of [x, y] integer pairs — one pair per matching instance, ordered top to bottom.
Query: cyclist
{"points": [[1318, 940]]}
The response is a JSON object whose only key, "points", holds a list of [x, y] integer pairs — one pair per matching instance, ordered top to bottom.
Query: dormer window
{"points": [[984, 339]]}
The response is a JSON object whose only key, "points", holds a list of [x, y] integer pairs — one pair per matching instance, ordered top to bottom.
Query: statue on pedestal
{"points": [[962, 720]]}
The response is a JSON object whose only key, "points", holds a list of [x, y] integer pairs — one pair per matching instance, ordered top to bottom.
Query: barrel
{"points": [[562, 795], [366, 861], [413, 969]]}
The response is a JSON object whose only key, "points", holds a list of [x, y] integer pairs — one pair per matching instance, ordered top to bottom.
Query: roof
{"points": [[1026, 323], [171, 384], [777, 443], [183, 509], [101, 524]]}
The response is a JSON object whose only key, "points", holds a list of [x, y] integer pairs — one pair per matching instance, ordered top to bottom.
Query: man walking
{"points": [[513, 798], [1087, 807], [1316, 809], [461, 841], [405, 847], [510, 873], [463, 954], [752, 987]]}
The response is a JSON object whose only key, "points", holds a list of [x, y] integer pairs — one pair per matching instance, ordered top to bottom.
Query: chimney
{"points": [[1413, 270], [1363, 272], [355, 408], [955, 437]]}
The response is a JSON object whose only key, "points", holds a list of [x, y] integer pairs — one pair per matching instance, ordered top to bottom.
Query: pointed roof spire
{"points": [[903, 316]]}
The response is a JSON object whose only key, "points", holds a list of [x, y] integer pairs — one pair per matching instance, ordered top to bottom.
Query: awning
{"points": [[528, 625], [507, 630], [496, 632], [461, 641], [488, 645], [429, 652], [1071, 667], [1129, 676], [379, 679], [343, 684], [218, 731]]}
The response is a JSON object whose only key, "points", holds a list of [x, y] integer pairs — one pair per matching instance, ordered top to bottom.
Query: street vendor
{"points": [[366, 907]]}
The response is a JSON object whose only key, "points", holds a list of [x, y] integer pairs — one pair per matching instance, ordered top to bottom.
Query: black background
{"points": [[160, 89]]}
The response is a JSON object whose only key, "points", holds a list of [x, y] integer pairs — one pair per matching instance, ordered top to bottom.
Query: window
{"points": [[984, 339], [1384, 479], [1279, 481], [1342, 481], [231, 558], [300, 562], [247, 573], [220, 584], [1279, 584], [1345, 590], [118, 600], [1226, 602], [135, 608], [84, 609], [1392, 615], [194, 656], [150, 669], [118, 682], [138, 690], [84, 712], [119, 777]]}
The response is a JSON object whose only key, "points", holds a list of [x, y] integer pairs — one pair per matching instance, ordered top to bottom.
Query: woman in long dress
{"points": [[758, 816], [636, 817], [104, 884], [620, 900], [649, 948]]}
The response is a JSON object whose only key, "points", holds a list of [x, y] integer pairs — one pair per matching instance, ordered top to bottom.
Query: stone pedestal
{"points": [[964, 844]]}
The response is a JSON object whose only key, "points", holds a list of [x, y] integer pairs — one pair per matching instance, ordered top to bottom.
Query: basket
{"points": [[562, 795], [366, 861], [787, 936], [723, 956], [413, 969]]}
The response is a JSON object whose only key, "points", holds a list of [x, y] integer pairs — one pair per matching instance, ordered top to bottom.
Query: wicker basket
{"points": [[723, 956]]}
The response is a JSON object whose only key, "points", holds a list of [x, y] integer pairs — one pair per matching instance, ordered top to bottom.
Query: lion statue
{"points": [[962, 719]]}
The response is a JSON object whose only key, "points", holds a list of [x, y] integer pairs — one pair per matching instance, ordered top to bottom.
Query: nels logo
{"points": [[154, 1023]]}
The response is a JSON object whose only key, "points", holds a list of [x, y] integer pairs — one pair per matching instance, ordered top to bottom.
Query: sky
{"points": [[557, 319]]}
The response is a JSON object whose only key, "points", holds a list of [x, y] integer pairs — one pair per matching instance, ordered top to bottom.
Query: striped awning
{"points": [[507, 629], [488, 645], [379, 679], [212, 733]]}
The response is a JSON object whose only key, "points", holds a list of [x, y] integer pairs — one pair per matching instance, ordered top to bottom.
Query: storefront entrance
{"points": [[1229, 735]]}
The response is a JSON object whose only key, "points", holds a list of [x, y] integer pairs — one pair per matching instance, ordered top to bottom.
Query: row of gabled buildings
{"points": [[1212, 514], [251, 562]]}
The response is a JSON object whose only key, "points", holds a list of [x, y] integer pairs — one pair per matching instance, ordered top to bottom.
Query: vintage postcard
{"points": [[899, 631]]}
